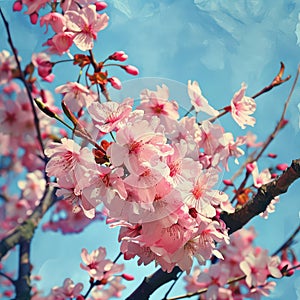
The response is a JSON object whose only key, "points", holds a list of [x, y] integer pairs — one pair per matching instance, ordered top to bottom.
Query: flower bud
{"points": [[100, 5], [17, 6], [34, 18], [119, 55], [131, 70], [115, 82], [272, 155], [250, 167], [281, 167], [228, 182], [127, 277]]}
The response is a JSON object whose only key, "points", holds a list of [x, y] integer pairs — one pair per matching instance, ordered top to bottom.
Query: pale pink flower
{"points": [[56, 20], [85, 25], [60, 43], [42, 62], [7, 64], [75, 95], [199, 102], [156, 103], [242, 107], [108, 115], [14, 120], [138, 143], [65, 156], [33, 187], [200, 195], [97, 266], [257, 266], [215, 278], [67, 291]]}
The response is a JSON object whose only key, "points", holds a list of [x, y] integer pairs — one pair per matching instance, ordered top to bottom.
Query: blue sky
{"points": [[218, 43]]}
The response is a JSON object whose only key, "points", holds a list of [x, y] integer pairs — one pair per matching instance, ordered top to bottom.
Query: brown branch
{"points": [[262, 199], [234, 221], [25, 231], [23, 283], [152, 283]]}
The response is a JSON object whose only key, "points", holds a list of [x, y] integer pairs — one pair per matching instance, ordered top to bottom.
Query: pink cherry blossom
{"points": [[56, 20], [85, 26], [60, 43], [42, 62], [7, 64], [75, 95], [199, 102], [156, 103], [242, 107], [108, 115], [65, 156], [33, 187], [201, 196], [97, 266], [257, 266], [68, 290]]}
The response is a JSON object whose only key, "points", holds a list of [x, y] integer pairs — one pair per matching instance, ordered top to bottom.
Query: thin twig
{"points": [[28, 91]]}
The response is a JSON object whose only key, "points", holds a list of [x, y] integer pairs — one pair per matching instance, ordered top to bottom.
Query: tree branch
{"points": [[262, 199], [234, 221], [25, 231]]}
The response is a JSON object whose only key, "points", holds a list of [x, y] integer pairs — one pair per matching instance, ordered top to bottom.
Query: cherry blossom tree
{"points": [[178, 184]]}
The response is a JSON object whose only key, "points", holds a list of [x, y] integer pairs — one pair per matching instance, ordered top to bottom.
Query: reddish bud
{"points": [[100, 5], [17, 6], [34, 18], [119, 55], [131, 70], [115, 83], [283, 123], [272, 155], [250, 167], [281, 167], [273, 175], [228, 182], [193, 212], [127, 277], [8, 294], [80, 297]]}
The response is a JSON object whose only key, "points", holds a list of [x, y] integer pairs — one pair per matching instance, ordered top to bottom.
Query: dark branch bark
{"points": [[262, 199], [234, 221], [25, 231], [23, 283]]}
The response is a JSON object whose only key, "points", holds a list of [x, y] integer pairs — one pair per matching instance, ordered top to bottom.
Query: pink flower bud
{"points": [[100, 5], [17, 6], [34, 18], [119, 55], [131, 70], [115, 82], [283, 123], [272, 155], [250, 167], [281, 167], [273, 175], [228, 182], [127, 277]]}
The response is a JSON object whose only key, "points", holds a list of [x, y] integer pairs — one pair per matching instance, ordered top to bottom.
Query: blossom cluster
{"points": [[148, 170], [151, 177], [250, 265]]}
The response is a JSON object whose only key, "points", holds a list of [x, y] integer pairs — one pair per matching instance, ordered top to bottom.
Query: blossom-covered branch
{"points": [[262, 199]]}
